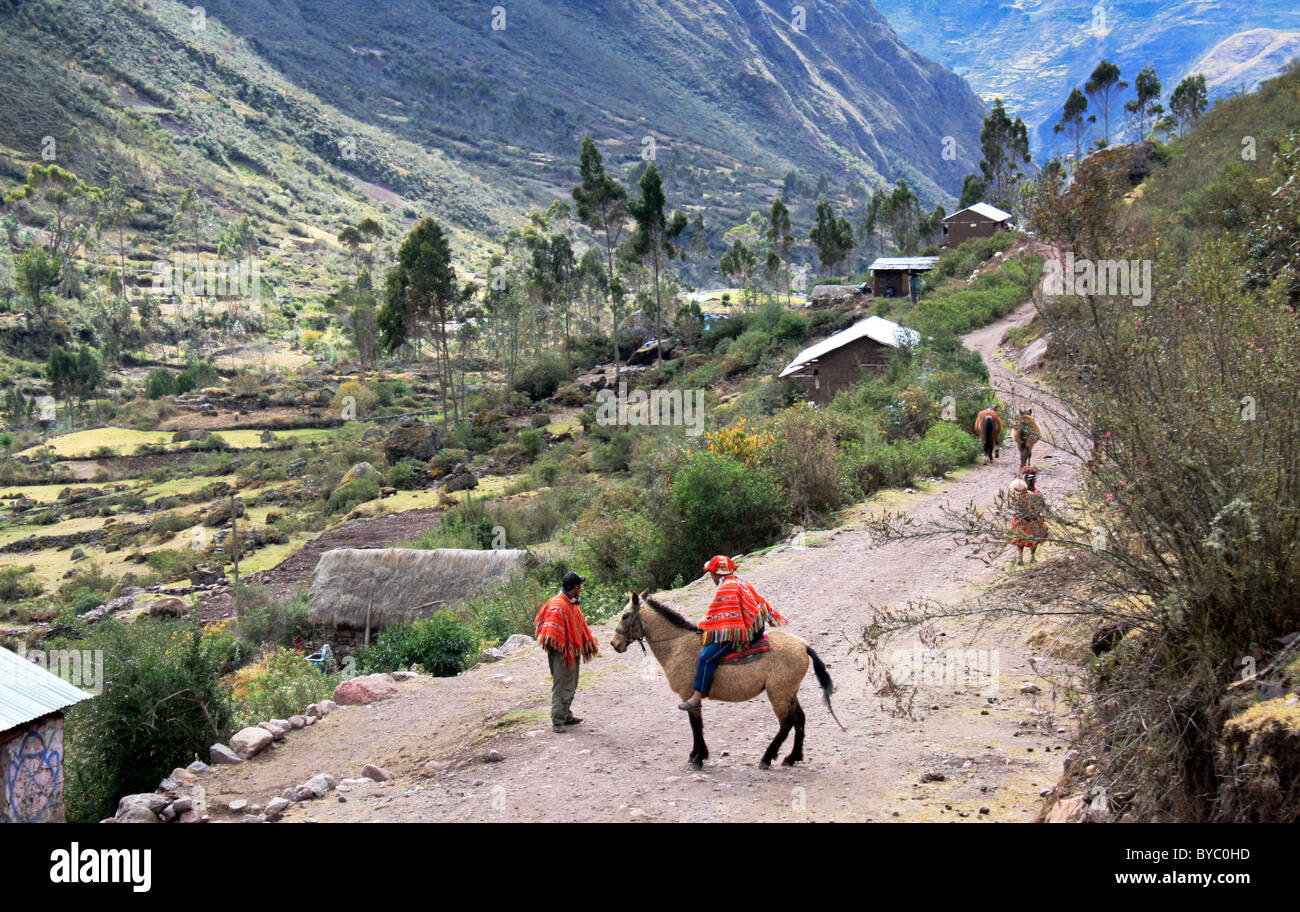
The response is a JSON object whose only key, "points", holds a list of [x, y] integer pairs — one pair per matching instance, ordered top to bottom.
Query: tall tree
{"points": [[1101, 86], [1146, 101], [1189, 101], [1072, 119], [1005, 144], [972, 191], [602, 207], [901, 212], [833, 236], [653, 239], [781, 240], [739, 262], [422, 291]]}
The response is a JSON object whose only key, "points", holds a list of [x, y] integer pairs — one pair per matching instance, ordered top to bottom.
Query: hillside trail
{"points": [[627, 761]]}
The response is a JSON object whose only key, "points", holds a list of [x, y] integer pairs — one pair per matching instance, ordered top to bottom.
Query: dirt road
{"points": [[985, 755]]}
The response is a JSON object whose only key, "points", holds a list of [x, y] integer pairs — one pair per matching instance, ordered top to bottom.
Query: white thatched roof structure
{"points": [[399, 585]]}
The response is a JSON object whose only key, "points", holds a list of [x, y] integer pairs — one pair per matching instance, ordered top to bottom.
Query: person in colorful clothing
{"points": [[1029, 509], [736, 619], [563, 632]]}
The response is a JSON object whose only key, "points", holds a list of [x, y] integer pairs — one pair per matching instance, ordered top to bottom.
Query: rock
{"points": [[1034, 354], [185, 435], [267, 437], [412, 439], [360, 472], [465, 481], [221, 512], [77, 554], [401, 584], [168, 606], [517, 643], [491, 654], [400, 676], [366, 689], [1030, 689], [1271, 690], [327, 706], [313, 711], [298, 721], [277, 733], [250, 742], [220, 753], [494, 756], [198, 766], [430, 770], [377, 773], [184, 776], [933, 776], [320, 785], [183, 804], [238, 805], [276, 807], [140, 808], [1067, 810], [189, 817], [251, 818]]}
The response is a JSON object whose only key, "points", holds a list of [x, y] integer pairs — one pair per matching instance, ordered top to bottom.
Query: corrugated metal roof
{"points": [[992, 213], [900, 263], [886, 332], [28, 691]]}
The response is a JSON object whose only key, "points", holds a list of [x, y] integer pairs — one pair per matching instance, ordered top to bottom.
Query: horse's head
{"points": [[629, 628]]}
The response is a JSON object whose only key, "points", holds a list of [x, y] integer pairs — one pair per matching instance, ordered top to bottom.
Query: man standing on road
{"points": [[563, 632]]}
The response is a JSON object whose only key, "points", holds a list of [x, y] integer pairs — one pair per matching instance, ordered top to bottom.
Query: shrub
{"points": [[197, 374], [541, 378], [161, 382], [361, 396], [532, 442], [946, 447], [405, 475], [347, 496], [723, 507], [15, 586], [263, 620], [441, 645], [281, 684], [162, 705]]}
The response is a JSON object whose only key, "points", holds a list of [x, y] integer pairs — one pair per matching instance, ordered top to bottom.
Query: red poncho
{"points": [[1028, 530], [736, 613], [560, 626]]}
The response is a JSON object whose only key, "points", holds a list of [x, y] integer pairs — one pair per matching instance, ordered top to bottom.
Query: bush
{"points": [[197, 374], [541, 378], [161, 382], [359, 395], [946, 447], [405, 475], [347, 496], [723, 507], [15, 586], [263, 620], [442, 645], [281, 684], [162, 706]]}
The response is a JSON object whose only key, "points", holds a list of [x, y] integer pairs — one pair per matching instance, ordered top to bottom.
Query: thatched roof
{"points": [[400, 585]]}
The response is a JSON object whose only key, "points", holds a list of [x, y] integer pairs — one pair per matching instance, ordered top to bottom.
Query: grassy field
{"points": [[125, 441]]}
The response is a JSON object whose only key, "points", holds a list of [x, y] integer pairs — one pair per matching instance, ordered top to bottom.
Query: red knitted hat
{"points": [[720, 564]]}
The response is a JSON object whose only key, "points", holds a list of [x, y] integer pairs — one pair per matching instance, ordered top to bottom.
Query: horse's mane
{"points": [[670, 615]]}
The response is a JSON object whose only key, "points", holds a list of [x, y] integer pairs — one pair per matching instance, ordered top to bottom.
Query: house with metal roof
{"points": [[979, 220], [899, 277], [836, 363], [32, 701]]}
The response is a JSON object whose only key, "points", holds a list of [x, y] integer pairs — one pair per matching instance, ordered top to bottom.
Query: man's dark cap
{"points": [[570, 580]]}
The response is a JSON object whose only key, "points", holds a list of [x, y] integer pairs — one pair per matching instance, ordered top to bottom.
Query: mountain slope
{"points": [[1032, 52]]}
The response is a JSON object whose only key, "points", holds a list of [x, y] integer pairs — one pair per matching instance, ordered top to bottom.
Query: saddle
{"points": [[749, 653]]}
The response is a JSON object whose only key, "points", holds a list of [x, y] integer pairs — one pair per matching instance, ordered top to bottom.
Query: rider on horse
{"points": [[736, 619]]}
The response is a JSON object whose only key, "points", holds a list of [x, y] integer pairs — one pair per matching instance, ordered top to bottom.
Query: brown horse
{"points": [[988, 428], [1026, 434], [675, 643]]}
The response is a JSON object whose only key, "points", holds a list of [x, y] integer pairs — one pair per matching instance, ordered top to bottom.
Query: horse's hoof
{"points": [[790, 761], [697, 764], [765, 764]]}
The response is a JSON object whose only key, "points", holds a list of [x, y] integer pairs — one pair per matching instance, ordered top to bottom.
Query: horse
{"points": [[988, 428], [1026, 434], [675, 643]]}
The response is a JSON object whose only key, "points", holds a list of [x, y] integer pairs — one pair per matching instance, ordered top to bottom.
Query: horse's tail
{"points": [[988, 435], [824, 679]]}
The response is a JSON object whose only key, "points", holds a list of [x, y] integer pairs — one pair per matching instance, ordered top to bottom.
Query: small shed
{"points": [[979, 220], [899, 277], [836, 363], [355, 590], [32, 701]]}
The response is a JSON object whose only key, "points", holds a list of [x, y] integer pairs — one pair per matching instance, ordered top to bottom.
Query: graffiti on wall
{"points": [[32, 766]]}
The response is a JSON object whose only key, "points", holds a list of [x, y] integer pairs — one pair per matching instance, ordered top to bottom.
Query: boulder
{"points": [[832, 294], [1034, 354], [185, 435], [267, 437], [412, 439], [360, 472], [464, 481], [220, 512], [168, 606], [516, 643], [366, 689], [298, 721], [277, 733], [250, 742], [220, 753], [377, 773], [319, 785], [276, 807], [140, 808], [1067, 810]]}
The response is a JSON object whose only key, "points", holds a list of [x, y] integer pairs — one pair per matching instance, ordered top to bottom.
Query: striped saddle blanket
{"points": [[753, 651]]}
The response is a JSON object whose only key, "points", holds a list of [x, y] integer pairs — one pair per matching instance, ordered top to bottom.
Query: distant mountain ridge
{"points": [[1032, 52]]}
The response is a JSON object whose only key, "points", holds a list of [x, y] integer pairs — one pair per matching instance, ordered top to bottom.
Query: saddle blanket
{"points": [[744, 655]]}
